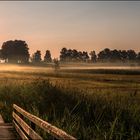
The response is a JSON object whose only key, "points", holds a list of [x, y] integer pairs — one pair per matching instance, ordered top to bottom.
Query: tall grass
{"points": [[86, 116]]}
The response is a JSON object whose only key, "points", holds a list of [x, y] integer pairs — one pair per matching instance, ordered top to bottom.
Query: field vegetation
{"points": [[101, 104]]}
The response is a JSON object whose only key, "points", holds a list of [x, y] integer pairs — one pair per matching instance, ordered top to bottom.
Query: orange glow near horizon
{"points": [[84, 26]]}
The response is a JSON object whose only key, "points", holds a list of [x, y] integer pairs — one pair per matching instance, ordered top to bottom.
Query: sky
{"points": [[81, 25]]}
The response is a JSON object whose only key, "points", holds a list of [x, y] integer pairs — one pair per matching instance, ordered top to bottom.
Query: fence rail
{"points": [[26, 132]]}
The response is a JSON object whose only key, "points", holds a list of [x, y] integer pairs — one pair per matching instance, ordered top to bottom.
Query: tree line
{"points": [[17, 51], [105, 55]]}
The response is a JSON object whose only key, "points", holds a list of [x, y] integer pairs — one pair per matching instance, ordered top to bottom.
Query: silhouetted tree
{"points": [[15, 51], [63, 54], [70, 55], [74, 55], [79, 55], [104, 55], [108, 55], [115, 55], [123, 55], [131, 55], [36, 56], [85, 56], [93, 56], [138, 56], [1, 57], [47, 57], [56, 64]]}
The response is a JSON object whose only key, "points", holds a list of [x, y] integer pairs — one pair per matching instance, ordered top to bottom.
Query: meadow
{"points": [[88, 103]]}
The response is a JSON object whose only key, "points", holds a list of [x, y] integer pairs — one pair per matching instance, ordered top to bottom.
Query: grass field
{"points": [[94, 103]]}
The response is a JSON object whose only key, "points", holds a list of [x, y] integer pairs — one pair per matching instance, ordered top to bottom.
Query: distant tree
{"points": [[15, 51], [63, 54], [69, 55], [74, 55], [104, 55], [115, 55], [123, 55], [131, 55], [36, 56], [80, 56], [85, 56], [93, 56], [138, 56], [1, 57], [47, 57], [56, 64]]}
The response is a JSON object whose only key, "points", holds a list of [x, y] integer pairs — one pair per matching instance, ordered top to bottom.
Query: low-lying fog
{"points": [[14, 67]]}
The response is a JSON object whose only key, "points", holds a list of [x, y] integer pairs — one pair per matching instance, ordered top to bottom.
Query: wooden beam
{"points": [[29, 131], [54, 131], [20, 132]]}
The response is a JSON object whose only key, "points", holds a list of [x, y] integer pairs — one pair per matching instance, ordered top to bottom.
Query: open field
{"points": [[126, 78], [94, 103]]}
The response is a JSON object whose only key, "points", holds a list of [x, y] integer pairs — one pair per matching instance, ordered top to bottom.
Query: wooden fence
{"points": [[27, 132]]}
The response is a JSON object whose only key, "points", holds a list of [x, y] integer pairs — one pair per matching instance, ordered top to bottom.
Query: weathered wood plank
{"points": [[1, 119], [5, 124], [6, 127], [6, 130], [29, 131], [54, 131], [20, 132], [7, 134]]}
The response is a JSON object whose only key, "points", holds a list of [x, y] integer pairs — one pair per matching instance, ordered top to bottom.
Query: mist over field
{"points": [[65, 66]]}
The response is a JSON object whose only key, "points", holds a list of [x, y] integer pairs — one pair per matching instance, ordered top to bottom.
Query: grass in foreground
{"points": [[103, 116]]}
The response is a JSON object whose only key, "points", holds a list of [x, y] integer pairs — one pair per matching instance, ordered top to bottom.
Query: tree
{"points": [[15, 51], [63, 54], [69, 55], [74, 55], [104, 55], [115, 55], [123, 55], [131, 55], [36, 56], [80, 56], [85, 56], [93, 56], [47, 57], [138, 58], [56, 64]]}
